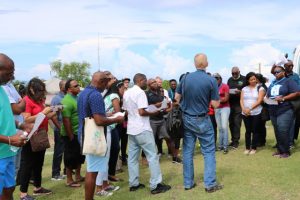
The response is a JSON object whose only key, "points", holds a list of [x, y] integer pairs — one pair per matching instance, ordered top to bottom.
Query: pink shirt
{"points": [[223, 88], [34, 108]]}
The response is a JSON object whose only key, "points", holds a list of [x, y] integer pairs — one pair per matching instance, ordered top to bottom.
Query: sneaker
{"points": [[291, 147], [219, 148], [225, 151], [247, 151], [252, 152], [276, 154], [284, 155], [177, 160], [57, 178], [194, 185], [112, 188], [134, 188], [160, 188], [214, 188], [41, 191], [104, 193], [27, 197]]}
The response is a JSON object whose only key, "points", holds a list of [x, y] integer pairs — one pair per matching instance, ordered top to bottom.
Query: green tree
{"points": [[74, 70], [165, 84]]}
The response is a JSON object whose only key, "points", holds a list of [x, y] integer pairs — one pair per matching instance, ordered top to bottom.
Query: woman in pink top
{"points": [[222, 114], [32, 162]]}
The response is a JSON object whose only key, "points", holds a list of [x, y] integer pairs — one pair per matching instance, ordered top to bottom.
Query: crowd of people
{"points": [[201, 106]]}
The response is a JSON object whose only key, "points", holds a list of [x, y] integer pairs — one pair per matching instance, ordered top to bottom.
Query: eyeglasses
{"points": [[277, 72], [235, 73], [218, 78], [152, 82], [75, 86]]}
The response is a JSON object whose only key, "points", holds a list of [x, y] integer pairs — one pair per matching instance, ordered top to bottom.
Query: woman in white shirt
{"points": [[251, 99]]}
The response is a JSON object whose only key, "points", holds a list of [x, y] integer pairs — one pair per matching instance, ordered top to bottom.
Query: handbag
{"points": [[296, 104], [94, 138], [39, 141]]}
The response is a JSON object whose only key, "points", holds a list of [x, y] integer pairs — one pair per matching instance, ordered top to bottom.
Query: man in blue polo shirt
{"points": [[196, 90], [90, 104], [8, 133]]}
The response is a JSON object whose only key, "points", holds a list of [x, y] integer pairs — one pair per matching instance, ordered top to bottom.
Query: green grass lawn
{"points": [[255, 177]]}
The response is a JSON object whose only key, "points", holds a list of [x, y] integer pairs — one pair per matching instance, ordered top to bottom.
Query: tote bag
{"points": [[94, 138]]}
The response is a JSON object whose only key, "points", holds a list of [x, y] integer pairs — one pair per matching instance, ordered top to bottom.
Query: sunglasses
{"points": [[277, 72], [235, 73], [218, 78], [75, 86]]}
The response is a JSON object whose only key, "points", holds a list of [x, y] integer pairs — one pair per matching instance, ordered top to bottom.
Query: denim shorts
{"points": [[7, 173]]}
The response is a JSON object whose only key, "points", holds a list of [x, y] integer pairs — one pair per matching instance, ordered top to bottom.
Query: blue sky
{"points": [[157, 37]]}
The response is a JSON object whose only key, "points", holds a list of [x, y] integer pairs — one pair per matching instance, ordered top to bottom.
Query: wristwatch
{"points": [[282, 100]]}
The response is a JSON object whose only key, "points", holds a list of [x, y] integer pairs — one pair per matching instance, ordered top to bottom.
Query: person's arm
{"points": [[261, 95], [288, 97], [177, 98], [215, 103], [116, 105], [19, 107], [246, 111], [144, 113], [31, 119], [54, 119], [101, 120], [68, 127], [17, 140]]}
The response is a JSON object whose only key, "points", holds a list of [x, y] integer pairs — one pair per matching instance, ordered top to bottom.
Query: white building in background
{"points": [[296, 59]]}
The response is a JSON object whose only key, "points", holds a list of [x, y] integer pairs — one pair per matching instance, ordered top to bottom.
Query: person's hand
{"points": [[237, 91], [279, 99], [158, 104], [47, 110], [247, 111], [119, 119], [27, 127], [71, 137], [18, 140]]}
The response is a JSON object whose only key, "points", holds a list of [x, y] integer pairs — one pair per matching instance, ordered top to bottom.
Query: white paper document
{"points": [[233, 91], [270, 101], [164, 104], [151, 109], [117, 115], [38, 120]]}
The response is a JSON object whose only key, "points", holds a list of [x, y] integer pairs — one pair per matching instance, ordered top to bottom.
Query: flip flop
{"points": [[114, 179], [80, 180], [73, 184]]}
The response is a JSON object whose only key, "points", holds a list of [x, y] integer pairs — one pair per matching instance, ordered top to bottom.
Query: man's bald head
{"points": [[200, 61], [7, 68], [235, 72], [99, 80]]}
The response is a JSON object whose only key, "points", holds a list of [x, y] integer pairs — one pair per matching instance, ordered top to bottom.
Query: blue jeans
{"points": [[222, 116], [282, 124], [201, 128], [144, 141], [58, 153]]}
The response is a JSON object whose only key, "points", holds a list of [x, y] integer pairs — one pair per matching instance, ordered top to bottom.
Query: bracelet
{"points": [[8, 140]]}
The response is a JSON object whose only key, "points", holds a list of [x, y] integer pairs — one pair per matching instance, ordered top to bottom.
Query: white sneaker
{"points": [[246, 152], [252, 152], [57, 178], [112, 188], [104, 193]]}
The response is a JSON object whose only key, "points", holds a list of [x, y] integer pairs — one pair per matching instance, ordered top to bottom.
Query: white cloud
{"points": [[249, 57], [40, 70]]}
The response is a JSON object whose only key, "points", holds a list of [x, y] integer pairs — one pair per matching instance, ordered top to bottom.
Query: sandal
{"points": [[81, 179], [114, 179], [73, 184]]}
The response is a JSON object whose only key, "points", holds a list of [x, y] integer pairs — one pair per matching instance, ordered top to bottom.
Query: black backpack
{"points": [[174, 123]]}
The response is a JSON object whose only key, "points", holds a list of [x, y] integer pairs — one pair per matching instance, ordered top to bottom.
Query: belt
{"points": [[201, 115]]}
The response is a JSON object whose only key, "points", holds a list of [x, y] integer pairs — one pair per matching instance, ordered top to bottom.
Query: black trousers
{"points": [[235, 122], [214, 123], [262, 133], [251, 135], [124, 140], [114, 152], [31, 162]]}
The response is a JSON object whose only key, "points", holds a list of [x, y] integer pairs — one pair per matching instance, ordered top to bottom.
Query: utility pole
{"points": [[98, 52], [259, 68]]}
